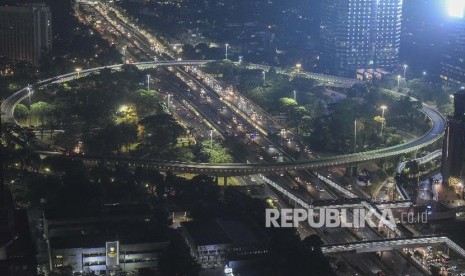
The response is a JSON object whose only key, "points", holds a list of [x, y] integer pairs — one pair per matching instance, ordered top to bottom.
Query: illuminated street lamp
{"points": [[298, 66], [405, 69], [78, 70], [424, 73], [264, 76], [398, 81], [148, 83], [29, 94], [295, 95], [124, 108], [383, 108], [283, 133]]}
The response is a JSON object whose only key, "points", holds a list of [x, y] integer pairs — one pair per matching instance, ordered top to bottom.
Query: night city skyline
{"points": [[232, 137]]}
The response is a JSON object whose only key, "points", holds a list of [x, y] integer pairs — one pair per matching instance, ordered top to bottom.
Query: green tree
{"points": [[148, 102], [288, 104], [42, 111], [21, 112], [305, 123], [161, 132], [128, 134], [104, 141], [215, 153]]}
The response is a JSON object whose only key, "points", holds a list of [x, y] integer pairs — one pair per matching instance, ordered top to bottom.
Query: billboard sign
{"points": [[112, 253]]}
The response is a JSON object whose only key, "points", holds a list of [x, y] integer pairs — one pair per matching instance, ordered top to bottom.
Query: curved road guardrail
{"points": [[421, 160], [231, 169]]}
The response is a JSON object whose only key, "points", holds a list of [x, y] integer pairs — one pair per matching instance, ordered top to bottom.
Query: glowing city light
{"points": [[455, 8]]}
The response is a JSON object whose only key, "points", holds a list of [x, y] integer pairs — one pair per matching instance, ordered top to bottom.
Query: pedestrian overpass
{"points": [[391, 244]]}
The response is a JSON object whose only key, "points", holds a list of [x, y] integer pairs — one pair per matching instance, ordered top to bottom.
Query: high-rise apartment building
{"points": [[25, 32], [361, 34], [453, 58], [453, 153]]}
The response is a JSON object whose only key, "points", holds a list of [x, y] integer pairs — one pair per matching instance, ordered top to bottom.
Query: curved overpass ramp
{"points": [[231, 169]]}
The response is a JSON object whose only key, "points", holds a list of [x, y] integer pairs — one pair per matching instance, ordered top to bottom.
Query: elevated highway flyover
{"points": [[227, 169], [391, 244]]}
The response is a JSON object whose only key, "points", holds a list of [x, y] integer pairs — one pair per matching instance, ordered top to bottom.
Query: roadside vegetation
{"points": [[113, 114], [325, 119]]}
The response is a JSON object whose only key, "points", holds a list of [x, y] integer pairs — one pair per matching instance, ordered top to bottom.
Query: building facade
{"points": [[25, 32], [360, 34], [453, 58], [453, 155], [112, 238], [214, 244], [105, 256]]}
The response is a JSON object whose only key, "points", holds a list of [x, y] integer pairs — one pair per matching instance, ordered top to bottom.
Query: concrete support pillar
{"points": [[382, 164], [352, 170], [348, 171], [225, 181], [222, 188]]}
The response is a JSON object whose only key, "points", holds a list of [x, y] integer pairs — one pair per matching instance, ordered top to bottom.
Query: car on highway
{"points": [[320, 189]]}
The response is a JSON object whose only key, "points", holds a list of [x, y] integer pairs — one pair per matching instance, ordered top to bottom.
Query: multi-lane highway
{"points": [[221, 169], [230, 169], [332, 235]]}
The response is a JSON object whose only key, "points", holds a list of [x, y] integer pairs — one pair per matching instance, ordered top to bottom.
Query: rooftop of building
{"points": [[107, 210], [92, 227], [222, 231], [97, 235]]}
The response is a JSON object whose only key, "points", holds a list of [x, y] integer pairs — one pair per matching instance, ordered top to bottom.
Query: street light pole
{"points": [[226, 52], [405, 69], [78, 70], [264, 76], [398, 81], [148, 83], [29, 93], [295, 95], [169, 101], [383, 108], [355, 136], [211, 140], [460, 185]]}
